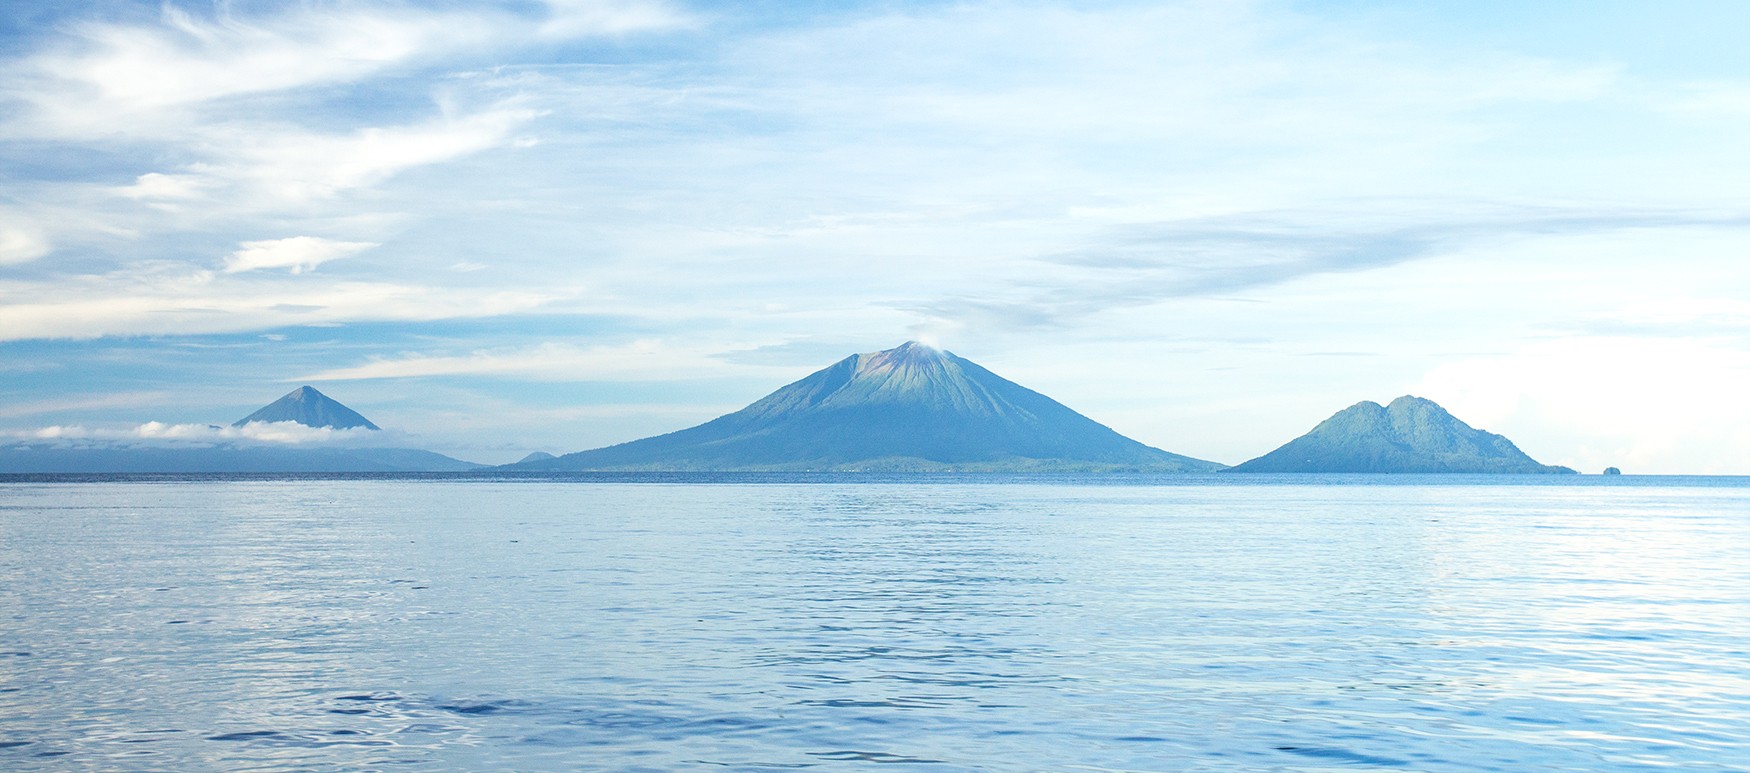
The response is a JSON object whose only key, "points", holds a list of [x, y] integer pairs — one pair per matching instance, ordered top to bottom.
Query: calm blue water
{"points": [[749, 623]]}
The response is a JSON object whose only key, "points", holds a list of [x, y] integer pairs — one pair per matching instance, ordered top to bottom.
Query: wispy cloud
{"points": [[567, 19], [120, 70], [126, 79], [276, 166], [257, 169], [160, 187], [20, 242], [298, 253], [1146, 264], [168, 298], [639, 360], [86, 403]]}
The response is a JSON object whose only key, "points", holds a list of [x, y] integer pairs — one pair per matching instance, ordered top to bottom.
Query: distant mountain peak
{"points": [[914, 349], [910, 355], [309, 407], [912, 407], [1411, 434]]}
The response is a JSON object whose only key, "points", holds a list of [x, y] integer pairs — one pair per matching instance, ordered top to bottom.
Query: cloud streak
{"points": [[128, 79], [286, 166], [297, 253], [1142, 265], [168, 299], [552, 361], [283, 433]]}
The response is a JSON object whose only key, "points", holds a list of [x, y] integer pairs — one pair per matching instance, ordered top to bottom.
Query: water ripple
{"points": [[597, 625]]}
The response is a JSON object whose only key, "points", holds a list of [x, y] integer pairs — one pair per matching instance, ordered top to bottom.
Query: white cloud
{"points": [[580, 18], [188, 60], [116, 79], [295, 166], [268, 168], [154, 186], [20, 242], [298, 253], [169, 299], [255, 432], [278, 432]]}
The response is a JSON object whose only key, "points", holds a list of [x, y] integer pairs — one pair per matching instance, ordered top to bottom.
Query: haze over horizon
{"points": [[506, 227]]}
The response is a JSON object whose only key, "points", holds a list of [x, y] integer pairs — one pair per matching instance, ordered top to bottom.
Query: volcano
{"points": [[310, 408], [910, 408], [1411, 435]]}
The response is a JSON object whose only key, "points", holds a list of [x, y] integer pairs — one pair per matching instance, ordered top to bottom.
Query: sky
{"points": [[501, 227]]}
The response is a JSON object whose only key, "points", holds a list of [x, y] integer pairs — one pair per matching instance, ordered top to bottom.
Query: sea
{"points": [[888, 623]]}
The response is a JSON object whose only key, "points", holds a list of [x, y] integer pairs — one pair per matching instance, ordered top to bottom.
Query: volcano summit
{"points": [[310, 408], [910, 408]]}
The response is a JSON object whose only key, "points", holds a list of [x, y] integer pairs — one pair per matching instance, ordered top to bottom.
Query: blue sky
{"points": [[515, 226]]}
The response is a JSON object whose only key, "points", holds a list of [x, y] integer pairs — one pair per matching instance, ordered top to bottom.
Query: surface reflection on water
{"points": [[617, 626]]}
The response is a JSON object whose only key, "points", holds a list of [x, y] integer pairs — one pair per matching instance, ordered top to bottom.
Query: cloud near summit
{"points": [[280, 433]]}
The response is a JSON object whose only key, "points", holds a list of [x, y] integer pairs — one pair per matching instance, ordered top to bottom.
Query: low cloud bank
{"points": [[255, 433]]}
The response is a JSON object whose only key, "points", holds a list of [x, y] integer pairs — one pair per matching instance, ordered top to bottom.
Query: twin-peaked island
{"points": [[915, 408]]}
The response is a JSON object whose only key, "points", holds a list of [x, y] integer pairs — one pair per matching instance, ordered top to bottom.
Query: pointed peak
{"points": [[918, 347], [911, 350], [910, 356], [310, 408]]}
